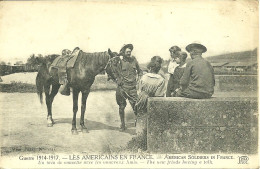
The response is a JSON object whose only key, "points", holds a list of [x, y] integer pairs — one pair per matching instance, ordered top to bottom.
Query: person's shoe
{"points": [[122, 128]]}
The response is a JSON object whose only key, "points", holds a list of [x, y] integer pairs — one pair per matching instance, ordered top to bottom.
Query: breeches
{"points": [[126, 93], [194, 94]]}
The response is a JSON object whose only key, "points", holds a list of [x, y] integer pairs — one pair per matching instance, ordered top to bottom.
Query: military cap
{"points": [[196, 45]]}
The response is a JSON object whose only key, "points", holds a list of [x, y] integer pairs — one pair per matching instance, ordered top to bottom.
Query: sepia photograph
{"points": [[129, 84]]}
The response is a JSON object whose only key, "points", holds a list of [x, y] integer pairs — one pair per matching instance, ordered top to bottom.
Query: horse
{"points": [[80, 77]]}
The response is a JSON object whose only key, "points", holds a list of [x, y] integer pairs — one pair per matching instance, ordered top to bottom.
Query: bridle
{"points": [[108, 62], [110, 65], [121, 90]]}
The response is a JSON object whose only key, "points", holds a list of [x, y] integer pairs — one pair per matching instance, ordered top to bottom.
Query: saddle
{"points": [[63, 63]]}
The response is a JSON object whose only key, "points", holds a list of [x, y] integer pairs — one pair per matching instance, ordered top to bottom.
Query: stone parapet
{"points": [[215, 125]]}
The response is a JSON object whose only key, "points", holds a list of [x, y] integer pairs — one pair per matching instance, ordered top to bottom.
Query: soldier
{"points": [[198, 79], [127, 82]]}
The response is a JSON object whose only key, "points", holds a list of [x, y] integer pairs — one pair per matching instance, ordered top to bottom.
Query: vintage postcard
{"points": [[129, 84]]}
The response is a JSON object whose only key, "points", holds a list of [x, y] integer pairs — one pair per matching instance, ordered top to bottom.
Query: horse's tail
{"points": [[41, 78], [39, 85]]}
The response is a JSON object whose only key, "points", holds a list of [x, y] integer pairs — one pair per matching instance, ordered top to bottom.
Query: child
{"points": [[178, 72]]}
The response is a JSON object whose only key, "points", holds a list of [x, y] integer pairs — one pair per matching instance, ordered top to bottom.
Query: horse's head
{"points": [[112, 54], [113, 65]]}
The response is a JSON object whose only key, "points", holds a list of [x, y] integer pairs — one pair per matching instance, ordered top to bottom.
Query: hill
{"points": [[244, 56]]}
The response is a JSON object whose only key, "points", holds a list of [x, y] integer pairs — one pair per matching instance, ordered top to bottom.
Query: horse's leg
{"points": [[54, 91], [75, 94], [49, 100], [83, 109]]}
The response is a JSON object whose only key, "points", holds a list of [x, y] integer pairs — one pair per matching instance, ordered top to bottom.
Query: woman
{"points": [[178, 72], [151, 84]]}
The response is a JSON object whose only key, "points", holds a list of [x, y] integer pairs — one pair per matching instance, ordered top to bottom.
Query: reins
{"points": [[109, 60], [121, 90]]}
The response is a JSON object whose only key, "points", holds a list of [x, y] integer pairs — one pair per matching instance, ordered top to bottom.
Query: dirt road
{"points": [[24, 125]]}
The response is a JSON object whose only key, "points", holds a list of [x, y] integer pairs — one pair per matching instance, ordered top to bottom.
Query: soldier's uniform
{"points": [[129, 71], [198, 79]]}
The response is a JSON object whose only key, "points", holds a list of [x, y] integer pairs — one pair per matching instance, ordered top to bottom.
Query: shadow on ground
{"points": [[93, 125]]}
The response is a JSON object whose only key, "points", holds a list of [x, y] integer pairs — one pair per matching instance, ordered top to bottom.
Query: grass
{"points": [[100, 84], [14, 87], [138, 143]]}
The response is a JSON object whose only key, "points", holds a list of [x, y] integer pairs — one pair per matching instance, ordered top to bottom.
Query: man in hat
{"points": [[174, 52], [198, 79], [127, 81]]}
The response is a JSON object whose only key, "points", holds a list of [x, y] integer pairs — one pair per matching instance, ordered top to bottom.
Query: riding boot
{"points": [[122, 117]]}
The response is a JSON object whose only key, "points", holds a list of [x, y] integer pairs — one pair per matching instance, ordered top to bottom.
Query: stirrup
{"points": [[65, 90]]}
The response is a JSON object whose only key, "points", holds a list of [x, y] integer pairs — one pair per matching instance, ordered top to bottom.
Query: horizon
{"points": [[152, 27], [24, 62]]}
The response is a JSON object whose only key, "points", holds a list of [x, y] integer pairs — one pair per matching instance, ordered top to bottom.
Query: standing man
{"points": [[174, 52], [198, 79], [127, 81]]}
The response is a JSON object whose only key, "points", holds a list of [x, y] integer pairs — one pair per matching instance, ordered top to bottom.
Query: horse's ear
{"points": [[110, 52], [40, 60]]}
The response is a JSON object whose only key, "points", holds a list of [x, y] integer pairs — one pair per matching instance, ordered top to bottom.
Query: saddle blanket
{"points": [[67, 61]]}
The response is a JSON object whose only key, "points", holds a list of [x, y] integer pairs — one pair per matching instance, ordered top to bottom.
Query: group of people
{"points": [[194, 79]]}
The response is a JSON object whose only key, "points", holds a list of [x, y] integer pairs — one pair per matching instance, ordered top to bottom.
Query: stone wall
{"points": [[237, 83], [216, 125]]}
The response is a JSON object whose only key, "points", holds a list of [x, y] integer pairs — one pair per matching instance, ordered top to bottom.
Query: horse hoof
{"points": [[50, 122], [49, 125], [122, 128], [85, 130], [74, 132]]}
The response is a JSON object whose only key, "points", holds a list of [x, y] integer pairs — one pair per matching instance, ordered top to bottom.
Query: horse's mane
{"points": [[99, 58]]}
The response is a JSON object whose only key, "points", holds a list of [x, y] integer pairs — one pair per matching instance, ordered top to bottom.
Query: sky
{"points": [[45, 27]]}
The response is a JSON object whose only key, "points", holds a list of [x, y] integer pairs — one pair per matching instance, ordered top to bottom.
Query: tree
{"points": [[31, 60], [36, 60], [2, 63], [19, 63]]}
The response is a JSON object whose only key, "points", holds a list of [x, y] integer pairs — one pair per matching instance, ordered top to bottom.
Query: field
{"points": [[25, 83], [24, 125], [24, 128]]}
